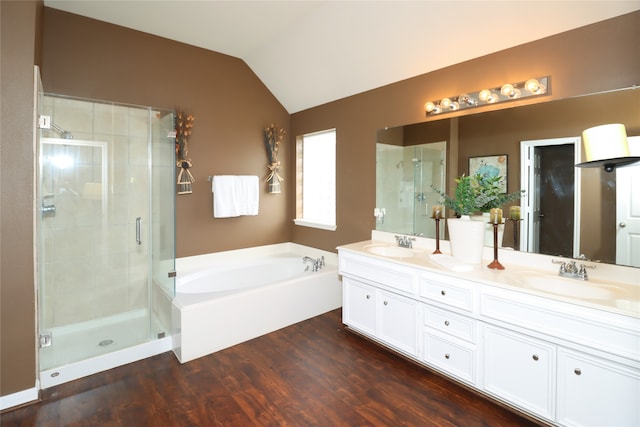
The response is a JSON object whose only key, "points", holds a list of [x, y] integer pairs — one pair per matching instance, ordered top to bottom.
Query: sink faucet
{"points": [[405, 241], [571, 269]]}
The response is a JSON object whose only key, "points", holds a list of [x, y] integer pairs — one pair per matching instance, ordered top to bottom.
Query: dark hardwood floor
{"points": [[314, 373]]}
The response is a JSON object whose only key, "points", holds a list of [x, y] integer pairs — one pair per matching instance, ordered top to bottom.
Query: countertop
{"points": [[611, 288]]}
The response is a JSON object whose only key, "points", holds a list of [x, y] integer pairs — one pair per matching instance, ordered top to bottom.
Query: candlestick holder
{"points": [[516, 233], [437, 251], [495, 264]]}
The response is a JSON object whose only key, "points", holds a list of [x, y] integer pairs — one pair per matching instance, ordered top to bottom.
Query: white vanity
{"points": [[560, 349]]}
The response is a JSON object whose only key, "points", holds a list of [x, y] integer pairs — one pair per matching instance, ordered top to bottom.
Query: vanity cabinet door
{"points": [[359, 305], [399, 322], [520, 370], [596, 392]]}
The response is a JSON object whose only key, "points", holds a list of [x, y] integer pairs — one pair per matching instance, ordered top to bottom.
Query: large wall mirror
{"points": [[576, 209]]}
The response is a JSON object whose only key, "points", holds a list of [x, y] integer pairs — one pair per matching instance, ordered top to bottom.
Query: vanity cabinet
{"points": [[359, 305], [381, 314], [567, 364], [520, 369], [587, 384]]}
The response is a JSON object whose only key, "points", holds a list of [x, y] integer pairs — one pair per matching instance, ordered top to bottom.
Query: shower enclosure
{"points": [[404, 193], [104, 229]]}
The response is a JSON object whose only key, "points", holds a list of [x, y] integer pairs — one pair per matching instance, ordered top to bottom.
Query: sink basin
{"points": [[390, 251], [566, 286]]}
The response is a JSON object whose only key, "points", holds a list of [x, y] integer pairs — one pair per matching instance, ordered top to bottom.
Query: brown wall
{"points": [[20, 50], [595, 58], [92, 59]]}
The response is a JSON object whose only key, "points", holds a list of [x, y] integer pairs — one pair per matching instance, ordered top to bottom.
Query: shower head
{"points": [[63, 133]]}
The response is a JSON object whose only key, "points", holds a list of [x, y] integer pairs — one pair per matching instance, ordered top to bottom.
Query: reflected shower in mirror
{"points": [[404, 179], [592, 230]]}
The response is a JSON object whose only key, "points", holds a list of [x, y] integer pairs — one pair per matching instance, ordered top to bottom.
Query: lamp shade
{"points": [[605, 142]]}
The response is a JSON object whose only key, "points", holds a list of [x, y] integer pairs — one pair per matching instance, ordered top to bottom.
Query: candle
{"points": [[436, 212], [514, 213], [495, 216]]}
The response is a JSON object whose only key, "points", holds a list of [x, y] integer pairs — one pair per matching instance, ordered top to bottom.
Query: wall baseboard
{"points": [[19, 398]]}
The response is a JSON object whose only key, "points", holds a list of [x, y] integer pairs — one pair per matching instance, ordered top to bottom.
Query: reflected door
{"points": [[556, 200], [551, 204], [628, 210]]}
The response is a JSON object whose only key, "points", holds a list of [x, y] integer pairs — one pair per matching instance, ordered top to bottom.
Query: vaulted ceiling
{"points": [[312, 52]]}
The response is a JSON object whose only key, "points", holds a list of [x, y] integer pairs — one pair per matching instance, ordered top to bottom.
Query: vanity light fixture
{"points": [[506, 92], [606, 146]]}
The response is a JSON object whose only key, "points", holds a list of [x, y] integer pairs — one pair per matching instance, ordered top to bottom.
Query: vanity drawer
{"points": [[388, 274], [446, 290], [450, 323], [601, 330], [451, 356]]}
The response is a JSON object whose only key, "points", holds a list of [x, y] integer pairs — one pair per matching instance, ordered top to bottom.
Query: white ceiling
{"points": [[312, 52]]}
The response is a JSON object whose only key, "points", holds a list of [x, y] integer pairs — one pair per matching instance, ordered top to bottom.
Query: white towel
{"points": [[235, 195]]}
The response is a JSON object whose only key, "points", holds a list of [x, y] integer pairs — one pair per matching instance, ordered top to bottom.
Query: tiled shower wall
{"points": [[91, 262]]}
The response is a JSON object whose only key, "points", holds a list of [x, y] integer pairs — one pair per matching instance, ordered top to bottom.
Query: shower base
{"points": [[91, 347]]}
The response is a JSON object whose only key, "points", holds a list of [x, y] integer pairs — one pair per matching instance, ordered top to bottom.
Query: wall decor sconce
{"points": [[506, 92], [273, 137], [606, 146]]}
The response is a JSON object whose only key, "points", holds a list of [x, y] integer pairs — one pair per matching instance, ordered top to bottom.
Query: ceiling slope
{"points": [[347, 47]]}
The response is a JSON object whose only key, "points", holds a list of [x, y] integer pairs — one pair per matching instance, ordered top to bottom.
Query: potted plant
{"points": [[478, 193], [490, 196], [466, 237]]}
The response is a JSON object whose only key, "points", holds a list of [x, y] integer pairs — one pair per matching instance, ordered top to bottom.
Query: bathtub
{"points": [[226, 298]]}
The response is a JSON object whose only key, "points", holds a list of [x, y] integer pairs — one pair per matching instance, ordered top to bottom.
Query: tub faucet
{"points": [[315, 264]]}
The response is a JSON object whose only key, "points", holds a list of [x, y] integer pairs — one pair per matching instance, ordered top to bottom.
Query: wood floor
{"points": [[314, 373]]}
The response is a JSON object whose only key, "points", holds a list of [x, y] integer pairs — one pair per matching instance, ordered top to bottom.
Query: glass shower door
{"points": [[105, 192]]}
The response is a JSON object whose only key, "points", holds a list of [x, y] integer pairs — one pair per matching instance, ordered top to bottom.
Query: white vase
{"points": [[488, 229], [466, 238]]}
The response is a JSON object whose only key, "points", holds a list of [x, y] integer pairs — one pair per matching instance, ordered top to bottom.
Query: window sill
{"points": [[320, 225]]}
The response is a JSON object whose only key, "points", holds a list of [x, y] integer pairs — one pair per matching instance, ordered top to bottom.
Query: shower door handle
{"points": [[139, 230]]}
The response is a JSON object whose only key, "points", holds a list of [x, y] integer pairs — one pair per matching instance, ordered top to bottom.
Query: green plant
{"points": [[477, 193], [489, 193], [464, 200]]}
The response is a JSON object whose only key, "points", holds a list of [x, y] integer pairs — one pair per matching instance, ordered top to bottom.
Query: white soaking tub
{"points": [[225, 298]]}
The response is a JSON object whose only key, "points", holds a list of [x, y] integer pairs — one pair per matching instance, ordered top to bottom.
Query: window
{"points": [[316, 180]]}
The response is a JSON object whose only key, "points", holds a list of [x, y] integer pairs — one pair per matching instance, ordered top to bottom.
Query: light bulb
{"points": [[533, 86], [507, 90], [484, 95], [445, 103], [454, 106], [429, 107]]}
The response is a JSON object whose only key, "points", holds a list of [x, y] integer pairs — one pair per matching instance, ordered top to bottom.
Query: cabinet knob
{"points": [[443, 292], [368, 296], [386, 303], [446, 323], [446, 356], [536, 357], [577, 371]]}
